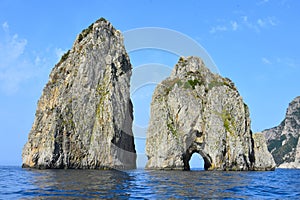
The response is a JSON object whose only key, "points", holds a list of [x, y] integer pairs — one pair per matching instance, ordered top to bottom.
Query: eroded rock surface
{"points": [[196, 111], [84, 116], [283, 140], [263, 158]]}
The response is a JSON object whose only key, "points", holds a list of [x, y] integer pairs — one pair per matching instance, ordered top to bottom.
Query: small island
{"points": [[197, 111]]}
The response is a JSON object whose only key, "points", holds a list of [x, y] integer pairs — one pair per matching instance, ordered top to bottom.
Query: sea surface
{"points": [[18, 183]]}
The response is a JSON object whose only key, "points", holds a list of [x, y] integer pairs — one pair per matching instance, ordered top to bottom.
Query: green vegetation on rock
{"points": [[85, 32], [63, 58], [192, 84], [228, 121], [279, 151]]}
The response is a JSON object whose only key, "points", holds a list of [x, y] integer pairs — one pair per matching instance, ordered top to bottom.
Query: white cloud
{"points": [[262, 2], [285, 3], [268, 21], [272, 21], [245, 22], [260, 23], [249, 24], [234, 25], [5, 27], [218, 29], [12, 47], [37, 60], [266, 61], [282, 61], [287, 61], [16, 65], [12, 68]]}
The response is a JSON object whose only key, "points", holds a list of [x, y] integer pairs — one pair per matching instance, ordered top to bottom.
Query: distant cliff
{"points": [[196, 111], [84, 116], [283, 140]]}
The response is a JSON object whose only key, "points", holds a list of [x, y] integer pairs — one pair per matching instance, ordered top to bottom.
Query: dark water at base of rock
{"points": [[18, 183]]}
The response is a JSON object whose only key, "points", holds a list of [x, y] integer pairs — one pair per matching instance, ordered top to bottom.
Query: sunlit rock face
{"points": [[196, 111], [84, 116], [283, 140], [263, 158]]}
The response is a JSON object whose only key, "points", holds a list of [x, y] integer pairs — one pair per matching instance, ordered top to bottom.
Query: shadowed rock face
{"points": [[196, 111], [84, 116], [283, 140]]}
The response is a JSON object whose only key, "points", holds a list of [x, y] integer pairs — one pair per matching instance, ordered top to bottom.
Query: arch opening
{"points": [[196, 162], [206, 163]]}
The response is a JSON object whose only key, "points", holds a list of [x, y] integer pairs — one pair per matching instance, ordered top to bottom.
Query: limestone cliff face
{"points": [[195, 110], [84, 116], [283, 140], [263, 158]]}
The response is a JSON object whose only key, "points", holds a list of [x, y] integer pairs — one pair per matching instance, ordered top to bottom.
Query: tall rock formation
{"points": [[196, 111], [84, 116], [283, 140], [263, 158]]}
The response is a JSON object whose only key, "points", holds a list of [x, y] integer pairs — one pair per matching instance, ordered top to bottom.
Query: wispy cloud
{"points": [[263, 2], [281, 3], [244, 22], [265, 22], [249, 24], [234, 25], [218, 29], [12, 46], [266, 61], [282, 61], [289, 62], [16, 64], [12, 68]]}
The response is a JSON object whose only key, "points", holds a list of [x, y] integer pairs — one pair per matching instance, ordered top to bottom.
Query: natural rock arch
{"points": [[196, 111], [196, 147], [188, 155], [196, 162]]}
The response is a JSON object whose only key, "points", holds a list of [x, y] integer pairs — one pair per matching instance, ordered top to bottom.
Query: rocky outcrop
{"points": [[196, 111], [84, 116], [283, 140], [263, 158]]}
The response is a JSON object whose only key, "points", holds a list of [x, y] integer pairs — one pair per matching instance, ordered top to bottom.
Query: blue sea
{"points": [[18, 183]]}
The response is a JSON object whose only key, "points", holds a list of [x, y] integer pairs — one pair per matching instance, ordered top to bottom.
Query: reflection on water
{"points": [[79, 184], [194, 184]]}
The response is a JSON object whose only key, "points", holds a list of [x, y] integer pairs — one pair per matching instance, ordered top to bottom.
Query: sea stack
{"points": [[197, 111], [84, 116], [283, 140]]}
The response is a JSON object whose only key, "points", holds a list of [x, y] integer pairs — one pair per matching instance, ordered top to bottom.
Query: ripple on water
{"points": [[16, 182]]}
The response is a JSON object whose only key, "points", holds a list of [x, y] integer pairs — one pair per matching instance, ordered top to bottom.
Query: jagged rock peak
{"points": [[94, 30], [188, 65], [196, 111], [84, 116], [283, 140]]}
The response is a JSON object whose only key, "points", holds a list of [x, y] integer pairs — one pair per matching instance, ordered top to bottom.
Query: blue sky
{"points": [[254, 43]]}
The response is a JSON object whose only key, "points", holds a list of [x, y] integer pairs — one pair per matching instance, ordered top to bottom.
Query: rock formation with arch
{"points": [[197, 111]]}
